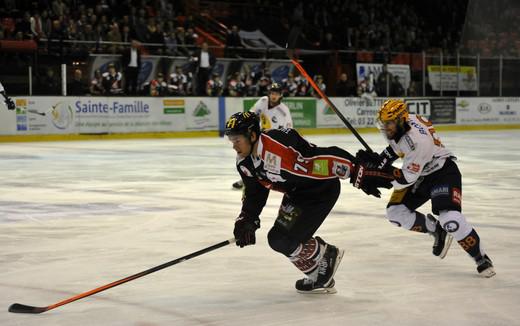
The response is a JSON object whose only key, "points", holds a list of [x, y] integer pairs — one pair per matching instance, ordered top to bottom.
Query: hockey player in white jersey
{"points": [[7, 100], [273, 114], [429, 172]]}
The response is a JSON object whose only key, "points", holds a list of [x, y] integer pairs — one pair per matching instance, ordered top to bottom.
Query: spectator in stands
{"points": [[114, 35], [190, 38], [233, 41], [170, 43], [55, 45], [131, 61], [204, 61], [318, 79], [112, 81], [178, 82], [384, 82], [49, 83], [96, 84], [235, 85], [289, 85], [76, 86], [158, 86], [215, 86], [345, 87], [366, 87], [262, 88], [396, 88], [412, 89]]}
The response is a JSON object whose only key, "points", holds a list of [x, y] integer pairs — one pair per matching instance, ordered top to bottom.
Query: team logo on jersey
{"points": [[409, 141], [272, 162], [320, 167], [414, 167], [340, 169], [246, 171], [442, 190], [456, 196]]}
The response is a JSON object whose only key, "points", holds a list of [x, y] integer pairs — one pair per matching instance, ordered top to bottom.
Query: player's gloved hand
{"points": [[10, 104], [369, 159], [369, 178], [245, 228]]}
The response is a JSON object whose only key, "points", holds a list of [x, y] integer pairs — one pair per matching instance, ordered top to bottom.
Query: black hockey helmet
{"points": [[275, 87], [243, 123]]}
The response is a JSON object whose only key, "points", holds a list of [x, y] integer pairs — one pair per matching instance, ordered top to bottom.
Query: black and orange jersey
{"points": [[286, 162]]}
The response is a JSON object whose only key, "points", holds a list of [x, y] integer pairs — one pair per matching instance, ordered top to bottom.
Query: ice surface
{"points": [[78, 215]]}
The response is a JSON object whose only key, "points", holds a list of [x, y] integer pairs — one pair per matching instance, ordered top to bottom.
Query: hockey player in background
{"points": [[7, 100], [273, 114], [281, 160], [429, 172]]}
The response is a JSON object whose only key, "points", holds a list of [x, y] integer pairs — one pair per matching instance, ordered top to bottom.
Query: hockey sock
{"points": [[455, 223], [423, 224], [307, 255]]}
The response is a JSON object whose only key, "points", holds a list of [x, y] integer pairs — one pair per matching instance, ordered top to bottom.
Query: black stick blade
{"points": [[23, 309]]}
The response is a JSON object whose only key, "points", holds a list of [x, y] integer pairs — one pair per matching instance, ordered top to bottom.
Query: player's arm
{"points": [[8, 101], [288, 117], [312, 161], [253, 201]]}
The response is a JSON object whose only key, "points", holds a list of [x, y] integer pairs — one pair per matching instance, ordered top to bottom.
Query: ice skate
{"points": [[442, 239]]}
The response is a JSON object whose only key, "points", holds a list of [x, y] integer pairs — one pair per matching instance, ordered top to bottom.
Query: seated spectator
{"points": [[318, 79], [112, 81], [178, 82], [384, 82], [50, 83], [96, 84], [289, 85], [77, 86], [158, 86], [236, 86], [262, 86], [214, 87], [345, 87], [366, 87], [396, 89], [412, 89]]}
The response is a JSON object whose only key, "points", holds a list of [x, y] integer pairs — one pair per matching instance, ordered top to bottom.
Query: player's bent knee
{"points": [[398, 215], [455, 223], [281, 242]]}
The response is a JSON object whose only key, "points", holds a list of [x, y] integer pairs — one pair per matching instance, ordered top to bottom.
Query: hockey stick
{"points": [[331, 105], [25, 309]]}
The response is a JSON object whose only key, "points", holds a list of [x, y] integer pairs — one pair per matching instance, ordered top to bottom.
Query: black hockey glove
{"points": [[10, 104], [373, 160], [369, 178], [244, 231]]}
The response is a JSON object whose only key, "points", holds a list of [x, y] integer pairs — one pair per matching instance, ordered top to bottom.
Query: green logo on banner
{"points": [[173, 110], [201, 110], [303, 111], [328, 111], [320, 167]]}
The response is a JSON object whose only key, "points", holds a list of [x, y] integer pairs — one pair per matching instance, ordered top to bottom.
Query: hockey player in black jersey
{"points": [[8, 101], [281, 160]]}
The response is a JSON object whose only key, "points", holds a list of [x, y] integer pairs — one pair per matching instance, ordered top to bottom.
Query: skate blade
{"points": [[447, 244], [488, 272], [330, 290]]}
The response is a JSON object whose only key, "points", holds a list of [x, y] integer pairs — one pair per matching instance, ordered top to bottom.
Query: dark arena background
{"points": [[118, 176]]}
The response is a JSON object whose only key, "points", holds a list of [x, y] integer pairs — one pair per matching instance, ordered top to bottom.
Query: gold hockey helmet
{"points": [[393, 110]]}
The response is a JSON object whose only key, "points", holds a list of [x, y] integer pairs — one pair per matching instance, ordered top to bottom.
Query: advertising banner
{"points": [[365, 69], [465, 77], [303, 110], [437, 110], [488, 110], [361, 112], [99, 115]]}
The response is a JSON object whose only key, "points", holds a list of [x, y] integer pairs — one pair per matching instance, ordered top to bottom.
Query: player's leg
{"points": [[447, 201], [401, 211], [292, 235]]}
